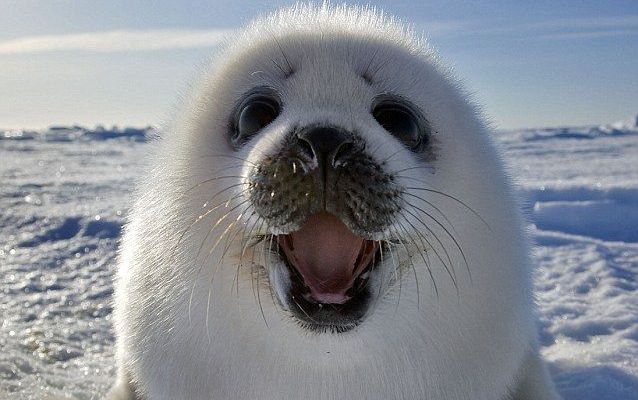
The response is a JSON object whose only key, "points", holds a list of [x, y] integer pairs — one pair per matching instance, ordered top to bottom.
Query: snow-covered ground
{"points": [[65, 192]]}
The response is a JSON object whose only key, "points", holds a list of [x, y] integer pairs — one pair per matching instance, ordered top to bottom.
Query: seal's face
{"points": [[327, 141], [319, 183]]}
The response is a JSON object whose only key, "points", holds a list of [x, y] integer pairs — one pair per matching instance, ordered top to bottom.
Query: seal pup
{"points": [[326, 218]]}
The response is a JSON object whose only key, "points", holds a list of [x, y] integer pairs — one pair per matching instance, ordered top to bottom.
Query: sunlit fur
{"points": [[197, 305]]}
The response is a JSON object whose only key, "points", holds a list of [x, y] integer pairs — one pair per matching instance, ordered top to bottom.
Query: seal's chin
{"points": [[329, 270]]}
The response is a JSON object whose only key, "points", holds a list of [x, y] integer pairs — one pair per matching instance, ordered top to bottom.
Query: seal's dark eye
{"points": [[254, 114], [400, 122]]}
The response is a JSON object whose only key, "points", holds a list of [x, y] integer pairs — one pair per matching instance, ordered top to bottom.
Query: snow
{"points": [[65, 191], [63, 204]]}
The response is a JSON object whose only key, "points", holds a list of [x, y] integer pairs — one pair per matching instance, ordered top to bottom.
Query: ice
{"points": [[65, 192]]}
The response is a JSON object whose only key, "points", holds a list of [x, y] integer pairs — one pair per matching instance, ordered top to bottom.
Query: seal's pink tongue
{"points": [[328, 256]]}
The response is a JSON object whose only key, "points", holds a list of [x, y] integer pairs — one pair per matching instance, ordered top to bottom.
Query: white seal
{"points": [[327, 218]]}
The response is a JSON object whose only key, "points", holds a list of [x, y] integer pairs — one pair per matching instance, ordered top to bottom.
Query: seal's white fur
{"points": [[186, 332]]}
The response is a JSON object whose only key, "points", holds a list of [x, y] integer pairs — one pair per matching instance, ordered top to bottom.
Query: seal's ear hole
{"points": [[254, 113]]}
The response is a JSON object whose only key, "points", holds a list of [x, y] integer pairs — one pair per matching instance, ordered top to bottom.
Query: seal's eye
{"points": [[255, 113], [400, 122]]}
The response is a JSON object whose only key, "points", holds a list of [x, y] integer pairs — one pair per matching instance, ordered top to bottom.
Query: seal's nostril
{"points": [[325, 144], [306, 148], [344, 151]]}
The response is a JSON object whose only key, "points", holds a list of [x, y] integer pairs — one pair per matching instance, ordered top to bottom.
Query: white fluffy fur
{"points": [[186, 332]]}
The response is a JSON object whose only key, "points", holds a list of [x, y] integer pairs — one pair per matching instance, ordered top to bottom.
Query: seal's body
{"points": [[326, 219]]}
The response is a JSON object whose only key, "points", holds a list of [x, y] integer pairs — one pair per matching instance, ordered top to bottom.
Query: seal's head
{"points": [[327, 159]]}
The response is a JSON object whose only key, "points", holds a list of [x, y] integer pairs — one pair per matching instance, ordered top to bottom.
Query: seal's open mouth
{"points": [[330, 260], [330, 268]]}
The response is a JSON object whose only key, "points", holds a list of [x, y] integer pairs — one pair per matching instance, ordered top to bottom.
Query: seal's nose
{"points": [[327, 145]]}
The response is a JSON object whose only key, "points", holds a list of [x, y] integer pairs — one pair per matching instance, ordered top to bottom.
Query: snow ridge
{"points": [[76, 132]]}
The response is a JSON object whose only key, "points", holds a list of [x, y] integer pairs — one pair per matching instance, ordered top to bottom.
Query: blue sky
{"points": [[530, 64]]}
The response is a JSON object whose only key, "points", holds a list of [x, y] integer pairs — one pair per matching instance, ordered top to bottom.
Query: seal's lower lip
{"points": [[328, 258]]}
